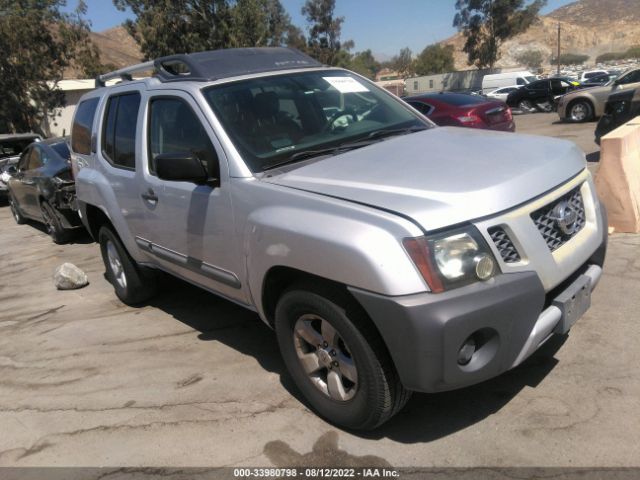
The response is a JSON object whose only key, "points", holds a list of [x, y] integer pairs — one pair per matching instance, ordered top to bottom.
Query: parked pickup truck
{"points": [[388, 254]]}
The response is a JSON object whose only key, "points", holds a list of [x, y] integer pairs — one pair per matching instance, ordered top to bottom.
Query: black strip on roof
{"points": [[218, 64]]}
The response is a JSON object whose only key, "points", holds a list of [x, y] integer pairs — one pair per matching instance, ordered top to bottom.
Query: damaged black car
{"points": [[42, 188]]}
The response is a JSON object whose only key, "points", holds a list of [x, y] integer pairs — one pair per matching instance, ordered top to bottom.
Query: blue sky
{"points": [[380, 25]]}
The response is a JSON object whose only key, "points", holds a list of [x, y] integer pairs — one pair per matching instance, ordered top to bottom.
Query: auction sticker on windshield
{"points": [[346, 84]]}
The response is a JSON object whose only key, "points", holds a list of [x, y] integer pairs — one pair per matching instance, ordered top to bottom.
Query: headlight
{"points": [[452, 259]]}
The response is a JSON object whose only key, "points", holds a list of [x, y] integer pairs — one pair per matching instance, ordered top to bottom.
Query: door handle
{"points": [[149, 196]]}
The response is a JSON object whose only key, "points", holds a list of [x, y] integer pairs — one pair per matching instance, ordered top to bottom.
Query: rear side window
{"points": [[422, 107], [82, 123], [119, 135]]}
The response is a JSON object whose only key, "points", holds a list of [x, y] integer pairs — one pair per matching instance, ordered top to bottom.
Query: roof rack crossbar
{"points": [[123, 73]]}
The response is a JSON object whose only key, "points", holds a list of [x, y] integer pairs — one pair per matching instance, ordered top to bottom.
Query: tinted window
{"points": [[632, 77], [520, 81], [542, 85], [459, 100], [421, 107], [175, 128], [81, 129], [119, 142], [108, 146], [13, 147], [62, 149], [35, 159], [23, 163]]}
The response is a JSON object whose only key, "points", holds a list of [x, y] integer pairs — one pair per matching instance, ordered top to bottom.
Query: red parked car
{"points": [[462, 110]]}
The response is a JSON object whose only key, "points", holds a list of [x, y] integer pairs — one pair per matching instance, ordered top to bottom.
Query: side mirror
{"points": [[180, 167]]}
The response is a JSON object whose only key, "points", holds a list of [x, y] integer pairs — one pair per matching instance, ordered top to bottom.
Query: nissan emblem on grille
{"points": [[565, 217], [561, 220]]}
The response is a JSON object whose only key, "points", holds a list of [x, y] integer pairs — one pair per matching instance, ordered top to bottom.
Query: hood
{"points": [[596, 91], [443, 176]]}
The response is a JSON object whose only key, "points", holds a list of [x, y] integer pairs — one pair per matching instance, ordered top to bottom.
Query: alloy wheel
{"points": [[526, 106], [579, 112], [115, 264], [325, 357]]}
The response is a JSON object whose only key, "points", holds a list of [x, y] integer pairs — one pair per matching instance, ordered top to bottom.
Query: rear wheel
{"points": [[526, 106], [580, 111], [15, 211], [51, 221], [133, 284], [337, 359]]}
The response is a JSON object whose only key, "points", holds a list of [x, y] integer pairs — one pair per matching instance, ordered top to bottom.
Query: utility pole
{"points": [[558, 48]]}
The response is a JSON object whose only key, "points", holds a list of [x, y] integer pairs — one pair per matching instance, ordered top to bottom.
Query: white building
{"points": [[59, 122]]}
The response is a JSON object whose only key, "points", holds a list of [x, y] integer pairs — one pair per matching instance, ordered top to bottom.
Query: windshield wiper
{"points": [[389, 132], [363, 142], [304, 154]]}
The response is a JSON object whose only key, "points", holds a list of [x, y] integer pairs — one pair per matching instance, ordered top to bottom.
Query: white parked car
{"points": [[586, 76], [503, 93]]}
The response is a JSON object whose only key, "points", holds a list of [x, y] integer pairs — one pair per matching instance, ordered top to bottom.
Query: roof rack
{"points": [[217, 64], [123, 73]]}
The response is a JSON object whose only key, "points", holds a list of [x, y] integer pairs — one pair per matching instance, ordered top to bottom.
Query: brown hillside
{"points": [[592, 13], [590, 27], [116, 47]]}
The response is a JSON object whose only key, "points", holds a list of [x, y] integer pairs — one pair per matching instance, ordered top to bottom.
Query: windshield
{"points": [[271, 120]]}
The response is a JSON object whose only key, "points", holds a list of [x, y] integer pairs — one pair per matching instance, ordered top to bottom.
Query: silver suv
{"points": [[389, 255]]}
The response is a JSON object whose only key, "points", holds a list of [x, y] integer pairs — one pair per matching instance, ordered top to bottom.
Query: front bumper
{"points": [[512, 315]]}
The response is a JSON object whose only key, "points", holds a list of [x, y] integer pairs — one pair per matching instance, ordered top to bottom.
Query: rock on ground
{"points": [[69, 277]]}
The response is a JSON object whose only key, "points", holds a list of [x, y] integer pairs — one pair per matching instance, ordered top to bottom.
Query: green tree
{"points": [[259, 23], [486, 24], [167, 27], [296, 38], [323, 41], [38, 42], [633, 52], [609, 56], [435, 59], [532, 59], [570, 59], [403, 63], [364, 64]]}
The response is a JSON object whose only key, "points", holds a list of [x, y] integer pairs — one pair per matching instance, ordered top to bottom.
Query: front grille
{"points": [[550, 224], [505, 246]]}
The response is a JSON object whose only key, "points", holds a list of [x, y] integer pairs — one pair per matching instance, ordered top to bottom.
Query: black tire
{"points": [[526, 106], [580, 111], [15, 211], [51, 221], [140, 284], [379, 394]]}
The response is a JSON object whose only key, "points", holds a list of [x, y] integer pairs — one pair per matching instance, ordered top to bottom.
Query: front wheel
{"points": [[580, 111], [132, 283], [337, 359]]}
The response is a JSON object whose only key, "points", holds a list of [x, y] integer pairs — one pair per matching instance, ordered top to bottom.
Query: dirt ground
{"points": [[193, 380]]}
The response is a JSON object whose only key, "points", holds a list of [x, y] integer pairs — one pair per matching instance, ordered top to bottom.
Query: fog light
{"points": [[484, 267], [466, 351]]}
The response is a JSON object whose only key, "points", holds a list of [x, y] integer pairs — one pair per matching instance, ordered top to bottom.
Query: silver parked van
{"points": [[388, 254]]}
